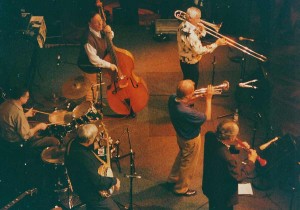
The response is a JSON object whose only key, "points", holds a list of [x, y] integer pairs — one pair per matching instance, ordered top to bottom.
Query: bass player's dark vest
{"points": [[99, 44]]}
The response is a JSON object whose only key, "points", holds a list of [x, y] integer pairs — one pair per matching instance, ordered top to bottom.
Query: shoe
{"points": [[188, 193]]}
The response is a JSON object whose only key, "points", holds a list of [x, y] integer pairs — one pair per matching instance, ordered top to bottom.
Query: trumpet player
{"points": [[190, 47], [187, 123]]}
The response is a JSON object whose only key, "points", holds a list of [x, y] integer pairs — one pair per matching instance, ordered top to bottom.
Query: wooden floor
{"points": [[151, 135]]}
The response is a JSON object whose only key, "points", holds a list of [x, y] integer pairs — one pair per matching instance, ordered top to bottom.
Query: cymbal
{"points": [[76, 88], [54, 101], [87, 110], [60, 117], [54, 154]]}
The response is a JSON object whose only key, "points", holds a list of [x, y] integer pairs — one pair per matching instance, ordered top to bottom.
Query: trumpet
{"points": [[213, 29], [217, 89]]}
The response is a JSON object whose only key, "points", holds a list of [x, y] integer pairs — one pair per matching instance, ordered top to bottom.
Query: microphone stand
{"points": [[213, 70], [99, 101], [257, 117], [132, 174]]}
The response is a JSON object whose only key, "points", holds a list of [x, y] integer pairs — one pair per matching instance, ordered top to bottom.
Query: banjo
{"points": [[105, 168]]}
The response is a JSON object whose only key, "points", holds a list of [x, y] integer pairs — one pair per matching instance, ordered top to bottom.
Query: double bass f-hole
{"points": [[135, 86]]}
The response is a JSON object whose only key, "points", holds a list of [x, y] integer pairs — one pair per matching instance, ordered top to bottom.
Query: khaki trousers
{"points": [[185, 163]]}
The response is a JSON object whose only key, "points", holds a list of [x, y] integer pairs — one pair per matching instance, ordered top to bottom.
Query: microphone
{"points": [[245, 39], [58, 59], [243, 85]]}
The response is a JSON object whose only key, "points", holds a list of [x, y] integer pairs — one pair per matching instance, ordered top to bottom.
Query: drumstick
{"points": [[39, 111], [55, 123]]}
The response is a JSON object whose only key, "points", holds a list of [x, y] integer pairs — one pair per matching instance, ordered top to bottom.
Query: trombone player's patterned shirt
{"points": [[190, 48]]}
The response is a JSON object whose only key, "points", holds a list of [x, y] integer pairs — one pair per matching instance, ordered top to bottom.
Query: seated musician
{"points": [[94, 48], [14, 126], [20, 144], [83, 164], [221, 170]]}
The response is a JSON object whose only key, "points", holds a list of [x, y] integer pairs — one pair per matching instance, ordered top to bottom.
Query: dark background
{"points": [[275, 26]]}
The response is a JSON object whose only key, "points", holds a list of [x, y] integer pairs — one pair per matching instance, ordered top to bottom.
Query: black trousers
{"points": [[190, 71], [106, 204], [219, 206]]}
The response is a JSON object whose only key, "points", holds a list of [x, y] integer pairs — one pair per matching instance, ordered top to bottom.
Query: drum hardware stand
{"points": [[243, 67], [213, 76], [99, 101], [258, 117], [117, 157], [132, 175], [59, 183], [70, 198], [71, 201]]}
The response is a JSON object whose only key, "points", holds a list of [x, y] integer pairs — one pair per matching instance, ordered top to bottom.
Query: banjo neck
{"points": [[106, 137]]}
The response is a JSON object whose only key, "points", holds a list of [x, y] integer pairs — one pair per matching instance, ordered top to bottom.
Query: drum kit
{"points": [[64, 122]]}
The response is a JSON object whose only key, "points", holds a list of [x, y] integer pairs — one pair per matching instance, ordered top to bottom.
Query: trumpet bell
{"points": [[225, 85]]}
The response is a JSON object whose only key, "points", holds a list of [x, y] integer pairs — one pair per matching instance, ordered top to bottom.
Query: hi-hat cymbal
{"points": [[76, 88], [54, 154]]}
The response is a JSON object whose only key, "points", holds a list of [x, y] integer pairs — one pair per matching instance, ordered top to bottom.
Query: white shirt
{"points": [[190, 48], [92, 52]]}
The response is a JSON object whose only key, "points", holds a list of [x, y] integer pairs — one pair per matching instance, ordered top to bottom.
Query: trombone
{"points": [[180, 15]]}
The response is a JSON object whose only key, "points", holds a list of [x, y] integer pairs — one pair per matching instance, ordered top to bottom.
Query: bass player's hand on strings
{"points": [[113, 67]]}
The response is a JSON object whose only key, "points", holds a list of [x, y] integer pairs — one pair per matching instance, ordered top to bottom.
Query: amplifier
{"points": [[38, 26], [166, 26]]}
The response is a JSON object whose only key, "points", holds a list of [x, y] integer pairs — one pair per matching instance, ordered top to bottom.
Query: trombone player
{"points": [[190, 47]]}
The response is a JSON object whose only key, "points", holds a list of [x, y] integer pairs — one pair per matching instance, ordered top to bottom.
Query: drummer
{"points": [[14, 126]]}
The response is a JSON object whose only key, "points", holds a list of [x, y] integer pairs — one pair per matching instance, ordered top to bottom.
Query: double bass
{"points": [[127, 92]]}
